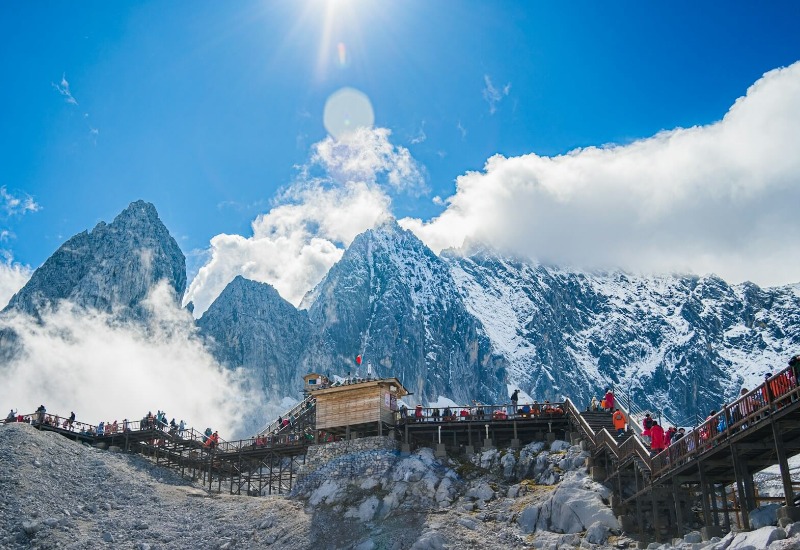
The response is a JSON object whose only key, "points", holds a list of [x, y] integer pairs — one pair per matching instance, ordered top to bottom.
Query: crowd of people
{"points": [[749, 407], [479, 411], [149, 421]]}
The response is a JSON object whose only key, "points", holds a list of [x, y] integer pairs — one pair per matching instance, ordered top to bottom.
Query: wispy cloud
{"points": [[63, 89], [492, 94], [462, 130], [421, 136], [13, 205]]}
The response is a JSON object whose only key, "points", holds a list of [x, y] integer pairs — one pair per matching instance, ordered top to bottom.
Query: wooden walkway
{"points": [[258, 466], [710, 469]]}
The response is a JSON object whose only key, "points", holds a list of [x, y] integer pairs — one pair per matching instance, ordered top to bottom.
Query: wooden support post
{"points": [[291, 471], [209, 472], [786, 477], [269, 490], [704, 496], [713, 496], [678, 511], [744, 511], [639, 518], [656, 519], [726, 519]]}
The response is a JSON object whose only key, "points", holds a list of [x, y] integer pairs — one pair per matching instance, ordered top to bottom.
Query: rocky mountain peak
{"points": [[112, 268]]}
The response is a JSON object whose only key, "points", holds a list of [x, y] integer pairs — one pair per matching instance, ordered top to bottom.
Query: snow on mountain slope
{"points": [[678, 343]]}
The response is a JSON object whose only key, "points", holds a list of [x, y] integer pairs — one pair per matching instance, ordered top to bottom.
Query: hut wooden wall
{"points": [[349, 407]]}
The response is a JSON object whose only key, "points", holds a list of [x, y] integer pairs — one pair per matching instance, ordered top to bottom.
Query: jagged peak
{"points": [[140, 209], [387, 223], [240, 282]]}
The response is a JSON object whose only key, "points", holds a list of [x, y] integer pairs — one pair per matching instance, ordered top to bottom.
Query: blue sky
{"points": [[210, 109]]}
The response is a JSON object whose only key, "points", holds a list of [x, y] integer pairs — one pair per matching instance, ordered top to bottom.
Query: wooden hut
{"points": [[359, 409]]}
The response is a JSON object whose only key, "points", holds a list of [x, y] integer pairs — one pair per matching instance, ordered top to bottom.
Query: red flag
{"points": [[358, 359]]}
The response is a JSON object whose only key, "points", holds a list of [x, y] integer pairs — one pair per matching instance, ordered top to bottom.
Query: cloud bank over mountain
{"points": [[719, 198], [13, 276], [86, 361]]}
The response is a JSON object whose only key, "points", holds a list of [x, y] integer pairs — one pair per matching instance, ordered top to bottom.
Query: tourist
{"points": [[609, 399], [514, 401], [594, 404], [40, 412], [418, 413], [448, 414], [435, 415], [11, 416], [619, 422], [181, 427], [669, 436], [656, 438], [213, 441]]}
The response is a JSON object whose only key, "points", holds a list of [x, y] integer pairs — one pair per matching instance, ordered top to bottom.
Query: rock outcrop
{"points": [[249, 325]]}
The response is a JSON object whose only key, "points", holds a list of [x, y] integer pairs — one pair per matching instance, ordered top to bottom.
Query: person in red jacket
{"points": [[609, 399], [670, 433], [656, 439]]}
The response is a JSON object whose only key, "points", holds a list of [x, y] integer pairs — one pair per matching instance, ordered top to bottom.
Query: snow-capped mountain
{"points": [[111, 268], [391, 299], [466, 326], [676, 343]]}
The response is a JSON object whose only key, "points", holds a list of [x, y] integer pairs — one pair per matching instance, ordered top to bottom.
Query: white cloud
{"points": [[63, 89], [492, 95], [367, 155], [720, 198], [16, 206], [294, 245], [13, 277], [74, 359]]}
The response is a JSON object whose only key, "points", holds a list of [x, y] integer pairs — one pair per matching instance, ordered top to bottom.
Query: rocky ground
{"points": [[55, 493]]}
